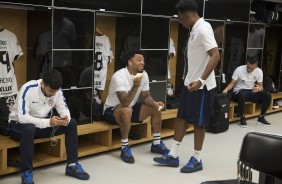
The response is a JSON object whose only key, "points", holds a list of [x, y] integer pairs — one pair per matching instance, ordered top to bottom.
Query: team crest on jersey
{"points": [[98, 45], [51, 102]]}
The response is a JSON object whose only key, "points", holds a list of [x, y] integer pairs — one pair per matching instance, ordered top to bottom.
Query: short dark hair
{"points": [[186, 5], [131, 54], [252, 60], [53, 79]]}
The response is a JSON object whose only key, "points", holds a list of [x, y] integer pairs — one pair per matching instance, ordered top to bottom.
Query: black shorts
{"points": [[195, 107], [109, 114]]}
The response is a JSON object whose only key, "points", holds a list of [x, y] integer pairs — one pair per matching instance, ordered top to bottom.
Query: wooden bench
{"points": [[253, 109], [93, 138]]}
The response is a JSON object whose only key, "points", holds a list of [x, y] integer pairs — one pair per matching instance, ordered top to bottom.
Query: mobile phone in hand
{"points": [[63, 118]]}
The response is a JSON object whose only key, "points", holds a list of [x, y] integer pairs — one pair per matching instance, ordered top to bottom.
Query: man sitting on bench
{"points": [[247, 83], [32, 117]]}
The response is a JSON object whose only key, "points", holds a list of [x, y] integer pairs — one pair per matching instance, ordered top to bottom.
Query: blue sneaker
{"points": [[159, 148], [126, 155], [167, 160], [192, 166], [77, 172], [27, 177]]}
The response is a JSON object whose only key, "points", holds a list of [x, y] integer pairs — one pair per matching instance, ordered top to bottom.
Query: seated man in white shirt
{"points": [[247, 86], [122, 108], [32, 117]]}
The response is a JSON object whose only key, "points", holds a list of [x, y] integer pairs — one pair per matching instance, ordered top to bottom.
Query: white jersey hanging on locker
{"points": [[10, 50], [171, 53], [103, 56]]}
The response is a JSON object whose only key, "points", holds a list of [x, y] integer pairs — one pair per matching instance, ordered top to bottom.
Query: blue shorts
{"points": [[195, 107], [109, 114]]}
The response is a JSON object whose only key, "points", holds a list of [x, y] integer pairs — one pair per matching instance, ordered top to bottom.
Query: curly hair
{"points": [[186, 5], [53, 79]]}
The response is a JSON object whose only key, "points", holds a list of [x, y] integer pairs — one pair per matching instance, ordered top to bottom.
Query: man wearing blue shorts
{"points": [[199, 86]]}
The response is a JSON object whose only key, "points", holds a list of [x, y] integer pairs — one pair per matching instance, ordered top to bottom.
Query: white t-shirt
{"points": [[201, 40], [10, 50], [170, 51], [103, 54], [244, 79], [122, 80]]}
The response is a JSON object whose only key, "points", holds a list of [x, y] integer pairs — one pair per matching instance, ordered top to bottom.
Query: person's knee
{"points": [[241, 96], [267, 96], [125, 113], [72, 122], [198, 127], [28, 129]]}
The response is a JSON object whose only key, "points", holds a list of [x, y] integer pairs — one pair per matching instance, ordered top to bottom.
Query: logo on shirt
{"points": [[5, 88], [51, 101]]}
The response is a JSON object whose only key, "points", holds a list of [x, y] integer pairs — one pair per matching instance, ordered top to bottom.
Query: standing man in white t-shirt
{"points": [[199, 86], [247, 86], [122, 108]]}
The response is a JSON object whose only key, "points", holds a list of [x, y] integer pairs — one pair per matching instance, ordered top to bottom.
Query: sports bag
{"points": [[219, 120]]}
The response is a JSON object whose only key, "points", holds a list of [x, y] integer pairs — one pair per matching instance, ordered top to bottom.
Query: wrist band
{"points": [[201, 80]]}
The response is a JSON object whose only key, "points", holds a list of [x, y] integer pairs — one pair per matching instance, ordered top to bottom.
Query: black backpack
{"points": [[268, 84], [5, 104], [97, 106], [219, 120]]}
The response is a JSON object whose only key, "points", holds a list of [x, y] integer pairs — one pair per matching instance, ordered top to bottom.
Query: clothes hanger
{"points": [[98, 32]]}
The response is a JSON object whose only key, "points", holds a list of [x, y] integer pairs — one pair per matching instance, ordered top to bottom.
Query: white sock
{"points": [[156, 138], [124, 142], [174, 149], [197, 155], [72, 164]]}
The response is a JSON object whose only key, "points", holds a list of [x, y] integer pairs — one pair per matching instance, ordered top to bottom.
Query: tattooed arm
{"points": [[126, 98], [148, 100]]}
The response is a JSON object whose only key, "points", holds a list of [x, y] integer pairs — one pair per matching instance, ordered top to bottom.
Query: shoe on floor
{"points": [[263, 121], [243, 122], [159, 148], [126, 155], [167, 160], [192, 166], [77, 172], [27, 177]]}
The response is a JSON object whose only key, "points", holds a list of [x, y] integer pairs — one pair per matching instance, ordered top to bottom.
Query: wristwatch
{"points": [[201, 80]]}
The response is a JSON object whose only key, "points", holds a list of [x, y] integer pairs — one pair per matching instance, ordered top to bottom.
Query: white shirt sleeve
{"points": [[208, 39], [235, 75], [260, 77], [117, 83], [24, 100], [61, 105]]}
